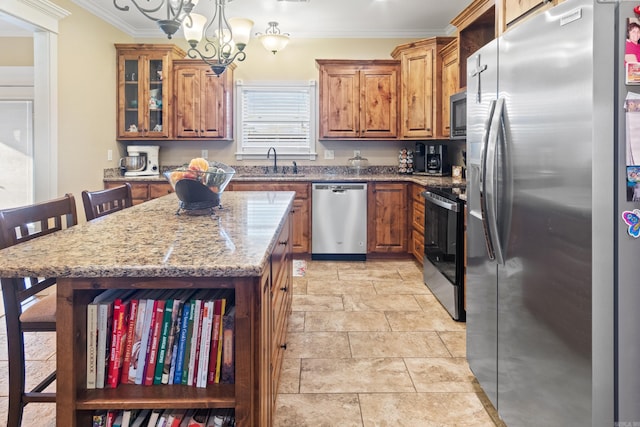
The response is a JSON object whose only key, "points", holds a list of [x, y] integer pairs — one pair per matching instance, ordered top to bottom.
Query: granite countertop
{"points": [[312, 174], [150, 240]]}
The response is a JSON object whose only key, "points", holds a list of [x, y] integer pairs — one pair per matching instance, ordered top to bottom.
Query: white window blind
{"points": [[278, 115]]}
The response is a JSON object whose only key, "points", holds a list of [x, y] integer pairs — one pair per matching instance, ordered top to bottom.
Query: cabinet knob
{"points": [[283, 242], [284, 289], [283, 346]]}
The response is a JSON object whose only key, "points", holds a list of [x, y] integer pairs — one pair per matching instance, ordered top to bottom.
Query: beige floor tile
{"points": [[400, 264], [339, 265], [326, 272], [368, 274], [411, 274], [299, 285], [339, 287], [392, 287], [380, 302], [317, 303], [296, 321], [346, 321], [422, 321], [456, 342], [397, 344], [37, 345], [302, 345], [36, 371], [440, 374], [368, 375], [290, 376], [317, 410], [423, 410], [35, 414]]}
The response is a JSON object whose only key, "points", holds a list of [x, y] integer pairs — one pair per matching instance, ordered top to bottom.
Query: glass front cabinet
{"points": [[144, 89]]}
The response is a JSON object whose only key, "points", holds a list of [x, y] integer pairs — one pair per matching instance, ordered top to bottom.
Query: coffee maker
{"points": [[142, 160], [437, 160]]}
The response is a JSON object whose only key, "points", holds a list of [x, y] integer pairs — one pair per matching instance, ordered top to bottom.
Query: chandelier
{"points": [[176, 11], [272, 39], [224, 40]]}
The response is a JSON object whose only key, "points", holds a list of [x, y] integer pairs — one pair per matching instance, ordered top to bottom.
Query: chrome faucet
{"points": [[275, 159]]}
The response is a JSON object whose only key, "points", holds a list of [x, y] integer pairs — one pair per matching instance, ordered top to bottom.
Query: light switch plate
{"points": [[205, 154], [328, 154]]}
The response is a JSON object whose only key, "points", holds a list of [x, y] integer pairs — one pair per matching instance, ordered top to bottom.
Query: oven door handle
{"points": [[489, 192], [450, 206]]}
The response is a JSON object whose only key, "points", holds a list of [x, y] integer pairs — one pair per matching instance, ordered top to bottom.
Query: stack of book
{"points": [[152, 337], [165, 418]]}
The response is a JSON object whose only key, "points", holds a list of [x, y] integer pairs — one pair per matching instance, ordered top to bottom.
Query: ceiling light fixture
{"points": [[176, 11], [272, 39], [224, 42]]}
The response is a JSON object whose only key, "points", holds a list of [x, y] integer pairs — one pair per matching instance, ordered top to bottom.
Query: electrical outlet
{"points": [[356, 153], [205, 154], [328, 154], [109, 155]]}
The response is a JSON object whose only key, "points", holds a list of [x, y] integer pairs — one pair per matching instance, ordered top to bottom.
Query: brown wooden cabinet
{"points": [[512, 12], [476, 26], [450, 82], [144, 88], [358, 99], [202, 101], [421, 115], [143, 191], [387, 227], [301, 235], [416, 242]]}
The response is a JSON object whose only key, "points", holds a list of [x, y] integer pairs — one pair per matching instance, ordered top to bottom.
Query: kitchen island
{"points": [[244, 246]]}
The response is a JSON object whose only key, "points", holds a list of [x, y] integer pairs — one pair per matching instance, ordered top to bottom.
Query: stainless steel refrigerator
{"points": [[553, 276]]}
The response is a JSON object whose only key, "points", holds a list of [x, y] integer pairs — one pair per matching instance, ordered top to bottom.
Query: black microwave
{"points": [[458, 115]]}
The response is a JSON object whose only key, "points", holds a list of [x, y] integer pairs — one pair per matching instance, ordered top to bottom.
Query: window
{"points": [[278, 115]]}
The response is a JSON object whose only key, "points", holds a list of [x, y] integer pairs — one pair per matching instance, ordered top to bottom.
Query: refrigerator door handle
{"points": [[483, 182], [491, 187]]}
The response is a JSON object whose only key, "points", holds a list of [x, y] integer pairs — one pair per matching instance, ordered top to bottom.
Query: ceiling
{"points": [[307, 18]]}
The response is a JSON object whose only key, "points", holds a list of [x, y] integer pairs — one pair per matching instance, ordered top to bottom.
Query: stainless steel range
{"points": [[444, 247]]}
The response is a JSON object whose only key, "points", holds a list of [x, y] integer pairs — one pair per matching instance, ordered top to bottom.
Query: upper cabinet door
{"points": [[144, 90], [417, 92], [421, 96], [358, 99], [202, 101], [339, 101], [379, 101]]}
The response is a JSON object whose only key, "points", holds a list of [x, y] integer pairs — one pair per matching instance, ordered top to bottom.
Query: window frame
{"points": [[311, 85]]}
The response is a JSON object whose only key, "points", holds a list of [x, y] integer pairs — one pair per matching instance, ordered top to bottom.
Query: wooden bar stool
{"points": [[103, 202], [24, 311]]}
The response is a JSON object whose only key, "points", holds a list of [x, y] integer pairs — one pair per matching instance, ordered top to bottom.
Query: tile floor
{"points": [[368, 346]]}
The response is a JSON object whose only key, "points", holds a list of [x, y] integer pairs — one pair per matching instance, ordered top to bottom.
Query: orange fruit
{"points": [[199, 164]]}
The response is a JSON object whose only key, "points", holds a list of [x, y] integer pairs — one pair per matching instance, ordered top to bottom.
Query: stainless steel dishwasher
{"points": [[339, 221]]}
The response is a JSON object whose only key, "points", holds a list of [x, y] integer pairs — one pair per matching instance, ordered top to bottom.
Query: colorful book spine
{"points": [[120, 312], [174, 332], [146, 335], [137, 340], [215, 340], [128, 341], [164, 341], [195, 341], [92, 342], [182, 342], [205, 344], [103, 346], [187, 349], [219, 354], [152, 357], [227, 367]]}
